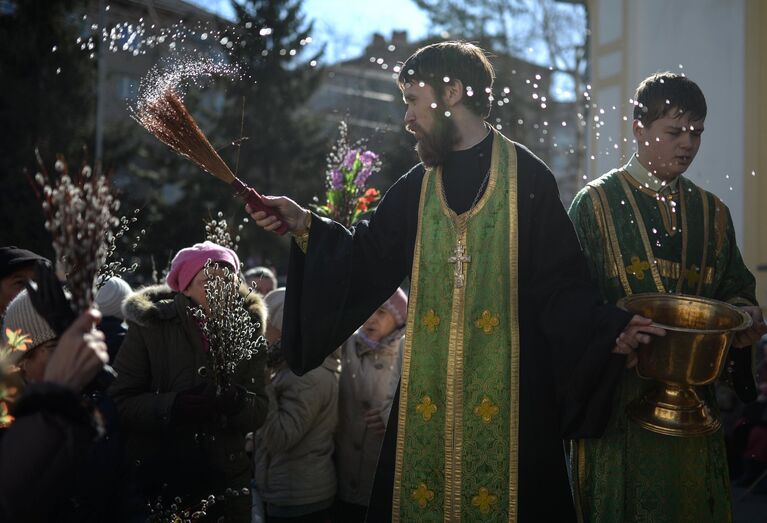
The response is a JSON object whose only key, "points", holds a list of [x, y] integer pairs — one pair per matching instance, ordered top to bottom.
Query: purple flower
{"points": [[368, 158], [349, 159], [362, 176], [336, 179]]}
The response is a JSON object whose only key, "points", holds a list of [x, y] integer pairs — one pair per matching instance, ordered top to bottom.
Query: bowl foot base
{"points": [[673, 411]]}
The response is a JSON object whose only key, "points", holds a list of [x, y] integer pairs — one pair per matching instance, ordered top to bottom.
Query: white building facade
{"points": [[719, 45]]}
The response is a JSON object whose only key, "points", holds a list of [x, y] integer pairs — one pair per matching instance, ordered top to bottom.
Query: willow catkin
{"points": [[79, 213], [231, 332]]}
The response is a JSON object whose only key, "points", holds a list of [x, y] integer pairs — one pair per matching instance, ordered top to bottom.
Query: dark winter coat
{"points": [[114, 332], [163, 355], [55, 465]]}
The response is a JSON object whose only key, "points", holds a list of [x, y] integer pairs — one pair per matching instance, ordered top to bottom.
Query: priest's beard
{"points": [[434, 146]]}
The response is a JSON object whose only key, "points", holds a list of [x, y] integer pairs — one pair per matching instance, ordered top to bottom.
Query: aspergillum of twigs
{"points": [[79, 213], [231, 332]]}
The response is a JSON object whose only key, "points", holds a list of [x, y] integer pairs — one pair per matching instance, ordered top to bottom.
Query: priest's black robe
{"points": [[567, 370]]}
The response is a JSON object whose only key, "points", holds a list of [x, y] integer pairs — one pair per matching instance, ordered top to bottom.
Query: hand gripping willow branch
{"points": [[167, 118]]}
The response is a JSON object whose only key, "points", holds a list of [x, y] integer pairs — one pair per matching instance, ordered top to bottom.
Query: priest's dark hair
{"points": [[462, 61], [668, 94]]}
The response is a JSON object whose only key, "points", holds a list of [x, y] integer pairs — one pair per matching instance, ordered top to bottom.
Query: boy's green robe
{"points": [[643, 235]]}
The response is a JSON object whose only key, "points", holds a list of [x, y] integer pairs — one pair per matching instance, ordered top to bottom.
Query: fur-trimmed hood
{"points": [[156, 303], [149, 305]]}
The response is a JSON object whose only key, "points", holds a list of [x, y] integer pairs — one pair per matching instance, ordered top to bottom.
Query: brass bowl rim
{"points": [[745, 318]]}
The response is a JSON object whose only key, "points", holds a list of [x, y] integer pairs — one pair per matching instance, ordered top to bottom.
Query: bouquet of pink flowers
{"points": [[347, 194]]}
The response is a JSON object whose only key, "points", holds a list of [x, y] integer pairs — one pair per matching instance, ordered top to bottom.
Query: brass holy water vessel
{"points": [[699, 332]]}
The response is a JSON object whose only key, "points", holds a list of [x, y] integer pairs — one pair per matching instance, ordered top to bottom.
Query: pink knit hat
{"points": [[188, 262], [397, 306]]}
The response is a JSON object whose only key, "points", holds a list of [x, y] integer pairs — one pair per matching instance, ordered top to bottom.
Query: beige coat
{"points": [[369, 379], [293, 451]]}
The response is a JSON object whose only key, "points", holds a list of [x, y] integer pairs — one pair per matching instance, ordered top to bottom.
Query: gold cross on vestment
{"points": [[459, 258], [637, 267], [692, 275]]}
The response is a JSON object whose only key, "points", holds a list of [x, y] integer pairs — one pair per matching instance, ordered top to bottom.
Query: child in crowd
{"points": [[109, 300], [371, 361], [294, 471]]}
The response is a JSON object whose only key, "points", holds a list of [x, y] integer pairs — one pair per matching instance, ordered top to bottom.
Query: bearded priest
{"points": [[509, 347]]}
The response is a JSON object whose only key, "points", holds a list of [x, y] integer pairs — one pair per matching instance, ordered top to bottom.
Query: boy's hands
{"points": [[638, 331]]}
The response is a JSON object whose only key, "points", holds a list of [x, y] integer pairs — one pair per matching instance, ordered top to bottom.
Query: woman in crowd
{"points": [[187, 440]]}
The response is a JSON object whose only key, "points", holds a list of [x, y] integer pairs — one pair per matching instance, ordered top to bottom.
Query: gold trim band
{"points": [[639, 222], [514, 327], [406, 358]]}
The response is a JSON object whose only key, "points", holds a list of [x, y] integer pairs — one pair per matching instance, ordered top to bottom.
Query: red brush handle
{"points": [[256, 203]]}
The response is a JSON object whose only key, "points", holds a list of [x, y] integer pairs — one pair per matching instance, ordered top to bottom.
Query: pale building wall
{"points": [[717, 43], [754, 243]]}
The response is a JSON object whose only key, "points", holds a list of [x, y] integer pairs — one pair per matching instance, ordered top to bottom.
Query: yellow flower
{"points": [[431, 321], [487, 322], [17, 340], [426, 408], [486, 410], [5, 418], [422, 495], [484, 501]]}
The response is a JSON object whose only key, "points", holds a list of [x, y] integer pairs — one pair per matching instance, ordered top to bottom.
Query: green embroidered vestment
{"points": [[679, 239], [457, 438]]}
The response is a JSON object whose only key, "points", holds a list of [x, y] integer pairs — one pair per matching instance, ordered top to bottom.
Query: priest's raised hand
{"points": [[293, 215]]}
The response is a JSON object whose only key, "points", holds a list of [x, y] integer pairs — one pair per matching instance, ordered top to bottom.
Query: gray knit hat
{"points": [[111, 296], [275, 302], [397, 306], [21, 314]]}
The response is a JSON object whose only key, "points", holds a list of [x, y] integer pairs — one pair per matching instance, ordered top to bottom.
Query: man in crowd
{"points": [[17, 267], [262, 279], [55, 462]]}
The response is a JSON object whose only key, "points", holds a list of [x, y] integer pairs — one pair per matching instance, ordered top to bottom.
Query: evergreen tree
{"points": [[46, 101], [282, 139], [285, 147]]}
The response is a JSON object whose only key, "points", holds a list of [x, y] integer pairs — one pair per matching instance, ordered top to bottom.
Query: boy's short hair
{"points": [[453, 60], [666, 93]]}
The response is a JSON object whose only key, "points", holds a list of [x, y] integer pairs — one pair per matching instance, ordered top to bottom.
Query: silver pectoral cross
{"points": [[459, 258]]}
